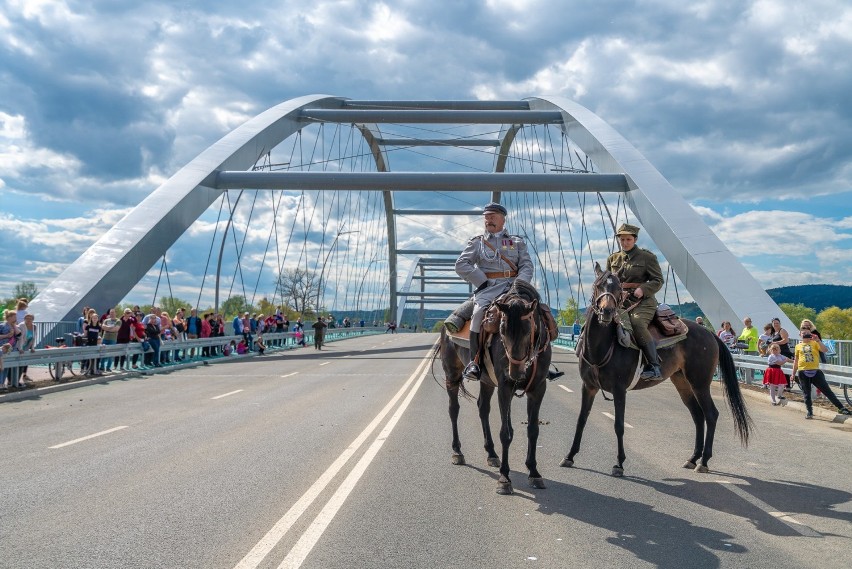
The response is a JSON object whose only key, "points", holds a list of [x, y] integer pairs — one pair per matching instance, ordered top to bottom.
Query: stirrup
{"points": [[472, 372], [651, 374], [551, 375]]}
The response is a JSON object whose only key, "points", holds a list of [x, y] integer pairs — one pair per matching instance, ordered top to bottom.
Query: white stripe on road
{"points": [[325, 363], [289, 374], [566, 389], [226, 394], [611, 416], [81, 439], [788, 520], [314, 532], [254, 557]]}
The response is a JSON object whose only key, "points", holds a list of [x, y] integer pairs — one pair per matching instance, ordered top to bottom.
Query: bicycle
{"points": [[58, 369]]}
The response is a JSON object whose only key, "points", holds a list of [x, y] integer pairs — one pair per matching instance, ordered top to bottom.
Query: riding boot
{"points": [[472, 371], [651, 371]]}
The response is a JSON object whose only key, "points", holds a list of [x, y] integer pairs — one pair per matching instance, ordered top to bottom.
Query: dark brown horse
{"points": [[521, 354], [690, 364]]}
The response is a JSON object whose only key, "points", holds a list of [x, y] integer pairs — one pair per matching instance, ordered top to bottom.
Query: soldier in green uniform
{"points": [[642, 277]]}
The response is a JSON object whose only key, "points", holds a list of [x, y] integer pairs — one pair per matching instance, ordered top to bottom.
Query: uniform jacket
{"points": [[477, 259], [641, 267]]}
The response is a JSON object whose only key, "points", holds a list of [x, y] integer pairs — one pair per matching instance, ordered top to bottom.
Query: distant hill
{"points": [[818, 296]]}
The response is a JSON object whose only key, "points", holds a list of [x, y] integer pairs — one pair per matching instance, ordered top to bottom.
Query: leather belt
{"points": [[502, 275], [630, 285]]}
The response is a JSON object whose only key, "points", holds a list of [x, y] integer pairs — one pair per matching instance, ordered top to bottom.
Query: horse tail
{"points": [[437, 352], [742, 420]]}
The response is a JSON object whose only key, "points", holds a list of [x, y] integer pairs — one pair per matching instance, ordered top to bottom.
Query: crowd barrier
{"points": [[74, 355]]}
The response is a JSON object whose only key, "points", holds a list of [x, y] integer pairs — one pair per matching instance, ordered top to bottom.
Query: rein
{"points": [[596, 309]]}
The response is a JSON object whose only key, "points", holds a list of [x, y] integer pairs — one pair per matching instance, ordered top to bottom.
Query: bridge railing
{"points": [[70, 355]]}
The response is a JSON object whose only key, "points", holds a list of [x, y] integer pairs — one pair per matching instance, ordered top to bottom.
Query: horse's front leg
{"points": [[453, 392], [587, 398], [504, 399], [619, 399], [484, 404], [533, 408]]}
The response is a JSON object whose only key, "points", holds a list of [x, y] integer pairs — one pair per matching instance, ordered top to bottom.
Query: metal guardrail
{"points": [[65, 355]]}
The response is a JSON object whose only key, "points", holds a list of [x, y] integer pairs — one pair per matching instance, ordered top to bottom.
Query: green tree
{"points": [[25, 289], [171, 304], [235, 305], [570, 313], [797, 313], [836, 323]]}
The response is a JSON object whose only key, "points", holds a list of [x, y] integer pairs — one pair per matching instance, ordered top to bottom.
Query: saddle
{"points": [[666, 329]]}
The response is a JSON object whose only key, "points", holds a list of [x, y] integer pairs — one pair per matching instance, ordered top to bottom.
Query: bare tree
{"points": [[298, 288]]}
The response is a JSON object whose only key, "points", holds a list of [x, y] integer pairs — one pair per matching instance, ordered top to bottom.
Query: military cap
{"points": [[495, 207], [627, 229]]}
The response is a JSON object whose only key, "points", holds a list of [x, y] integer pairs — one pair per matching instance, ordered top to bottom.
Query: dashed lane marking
{"points": [[325, 363], [289, 374], [566, 389], [226, 394], [611, 416], [81, 439]]}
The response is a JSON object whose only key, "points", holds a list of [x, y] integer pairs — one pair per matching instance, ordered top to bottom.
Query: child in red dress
{"points": [[773, 376]]}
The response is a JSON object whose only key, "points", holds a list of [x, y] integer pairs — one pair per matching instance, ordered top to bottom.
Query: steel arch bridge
{"points": [[110, 268]]}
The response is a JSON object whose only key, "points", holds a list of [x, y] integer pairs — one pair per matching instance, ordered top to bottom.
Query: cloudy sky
{"points": [[742, 106]]}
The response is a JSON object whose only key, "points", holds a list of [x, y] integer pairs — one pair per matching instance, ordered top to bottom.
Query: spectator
{"points": [[21, 309], [81, 321], [700, 321], [361, 323], [179, 325], [237, 325], [110, 326], [810, 326], [193, 328], [92, 329], [206, 331], [319, 332], [125, 333], [9, 335], [152, 335], [167, 335], [727, 335], [299, 336], [749, 336], [782, 339], [764, 340], [26, 341], [260, 345], [242, 347], [806, 365], [773, 377]]}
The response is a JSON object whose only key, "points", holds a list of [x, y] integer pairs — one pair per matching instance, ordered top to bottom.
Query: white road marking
{"points": [[348, 356], [325, 363], [289, 374], [566, 389], [226, 394], [611, 416], [81, 439], [787, 519], [306, 543], [254, 557]]}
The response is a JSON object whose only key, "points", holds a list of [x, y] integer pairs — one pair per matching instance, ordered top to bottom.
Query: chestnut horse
{"points": [[520, 352], [690, 364]]}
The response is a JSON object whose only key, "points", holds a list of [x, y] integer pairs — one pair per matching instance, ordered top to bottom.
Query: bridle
{"points": [[597, 310], [530, 358]]}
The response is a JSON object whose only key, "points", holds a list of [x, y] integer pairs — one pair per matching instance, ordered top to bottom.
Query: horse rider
{"points": [[491, 262], [641, 278]]}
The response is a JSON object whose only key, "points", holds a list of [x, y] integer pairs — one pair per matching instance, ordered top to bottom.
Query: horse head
{"points": [[607, 294], [518, 332]]}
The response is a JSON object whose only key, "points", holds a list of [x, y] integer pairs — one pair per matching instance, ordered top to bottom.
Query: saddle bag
{"points": [[549, 321], [667, 321]]}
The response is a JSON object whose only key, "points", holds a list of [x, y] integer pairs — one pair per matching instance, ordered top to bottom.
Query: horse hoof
{"points": [[458, 459], [493, 461], [566, 463], [689, 464], [702, 469], [617, 471], [537, 482], [505, 488]]}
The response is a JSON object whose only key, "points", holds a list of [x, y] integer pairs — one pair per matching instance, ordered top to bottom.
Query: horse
{"points": [[520, 352], [690, 364]]}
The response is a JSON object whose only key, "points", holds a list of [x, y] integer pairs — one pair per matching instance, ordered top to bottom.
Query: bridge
{"points": [[317, 179]]}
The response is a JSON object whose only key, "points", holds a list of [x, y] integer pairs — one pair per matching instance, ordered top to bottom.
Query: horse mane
{"points": [[525, 290]]}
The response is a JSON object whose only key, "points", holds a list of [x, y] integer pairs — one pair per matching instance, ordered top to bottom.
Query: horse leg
{"points": [[453, 392], [688, 398], [504, 399], [587, 399], [619, 400], [484, 404], [533, 408], [711, 415]]}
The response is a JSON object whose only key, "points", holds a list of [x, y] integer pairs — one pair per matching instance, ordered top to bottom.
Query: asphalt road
{"points": [[341, 458]]}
